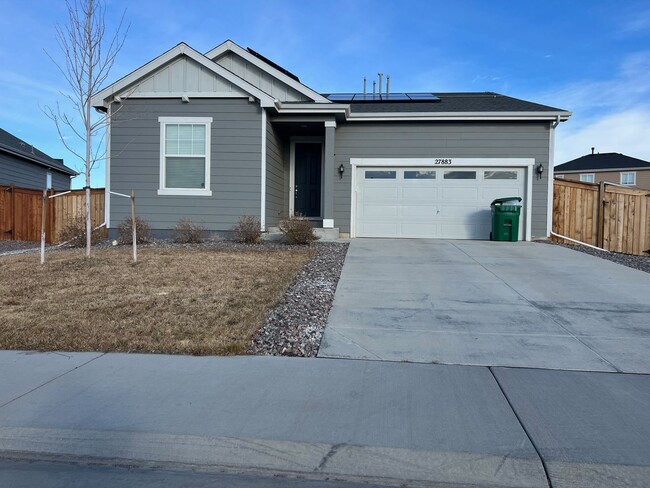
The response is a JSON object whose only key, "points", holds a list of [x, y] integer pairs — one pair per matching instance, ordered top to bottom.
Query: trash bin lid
{"points": [[501, 201]]}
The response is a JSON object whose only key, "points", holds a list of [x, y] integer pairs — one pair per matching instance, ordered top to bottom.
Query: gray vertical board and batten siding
{"points": [[442, 139], [235, 172], [25, 174], [277, 184]]}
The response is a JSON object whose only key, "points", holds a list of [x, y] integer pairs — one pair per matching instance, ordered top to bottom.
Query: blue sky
{"points": [[591, 57]]}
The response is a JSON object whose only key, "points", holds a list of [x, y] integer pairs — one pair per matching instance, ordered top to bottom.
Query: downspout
{"points": [[107, 168], [551, 172], [263, 189]]}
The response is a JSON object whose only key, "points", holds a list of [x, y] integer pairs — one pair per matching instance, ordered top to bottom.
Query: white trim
{"points": [[254, 60], [189, 95], [100, 99], [312, 108], [414, 116], [185, 120], [330, 123], [478, 162], [527, 163], [292, 168], [551, 168], [107, 169], [606, 170], [627, 173], [188, 192], [197, 192], [263, 192], [328, 223]]}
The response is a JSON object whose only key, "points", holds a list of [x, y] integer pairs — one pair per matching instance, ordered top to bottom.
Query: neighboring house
{"points": [[229, 133], [22, 165], [608, 167]]}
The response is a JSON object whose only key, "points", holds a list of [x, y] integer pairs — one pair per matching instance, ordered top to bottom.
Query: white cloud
{"points": [[624, 132]]}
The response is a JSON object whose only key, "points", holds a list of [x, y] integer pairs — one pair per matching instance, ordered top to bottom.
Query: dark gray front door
{"points": [[308, 159]]}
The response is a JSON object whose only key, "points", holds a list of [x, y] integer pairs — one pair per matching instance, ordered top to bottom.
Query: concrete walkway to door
{"points": [[489, 303]]}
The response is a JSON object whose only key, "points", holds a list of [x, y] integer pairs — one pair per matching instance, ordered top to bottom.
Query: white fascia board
{"points": [[240, 51], [99, 100], [311, 108], [426, 116], [455, 162], [606, 170]]}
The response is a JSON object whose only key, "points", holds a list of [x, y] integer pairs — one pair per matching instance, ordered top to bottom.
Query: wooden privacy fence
{"points": [[21, 210], [604, 215]]}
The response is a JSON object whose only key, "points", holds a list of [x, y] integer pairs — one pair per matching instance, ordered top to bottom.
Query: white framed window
{"points": [[185, 156], [561, 177], [587, 178], [628, 178], [48, 180]]}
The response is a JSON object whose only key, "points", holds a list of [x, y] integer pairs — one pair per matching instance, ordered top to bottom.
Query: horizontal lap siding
{"points": [[442, 139], [235, 167], [25, 174], [276, 184]]}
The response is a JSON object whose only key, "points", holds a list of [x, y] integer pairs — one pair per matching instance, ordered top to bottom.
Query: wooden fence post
{"points": [[601, 215], [133, 226]]}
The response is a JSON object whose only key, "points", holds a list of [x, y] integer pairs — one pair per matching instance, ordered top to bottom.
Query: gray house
{"points": [[228, 133], [22, 165]]}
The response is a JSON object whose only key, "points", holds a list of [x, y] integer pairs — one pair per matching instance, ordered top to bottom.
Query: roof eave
{"points": [[240, 51], [104, 97], [414, 116], [37, 160], [605, 170]]}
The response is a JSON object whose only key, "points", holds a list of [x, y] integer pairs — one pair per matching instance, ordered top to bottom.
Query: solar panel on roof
{"points": [[382, 97]]}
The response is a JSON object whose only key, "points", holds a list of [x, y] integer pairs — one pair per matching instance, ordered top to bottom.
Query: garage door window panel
{"points": [[380, 175], [419, 175], [460, 175], [500, 175]]}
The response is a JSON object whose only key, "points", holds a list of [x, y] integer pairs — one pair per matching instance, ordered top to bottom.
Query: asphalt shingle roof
{"points": [[456, 102], [11, 143], [601, 161]]}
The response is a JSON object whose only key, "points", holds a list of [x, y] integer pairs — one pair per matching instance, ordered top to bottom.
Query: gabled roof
{"points": [[267, 65], [102, 98], [17, 147], [603, 161]]}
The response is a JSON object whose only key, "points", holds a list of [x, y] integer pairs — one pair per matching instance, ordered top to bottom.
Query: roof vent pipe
{"points": [[380, 76], [365, 82], [387, 84], [374, 87], [592, 150]]}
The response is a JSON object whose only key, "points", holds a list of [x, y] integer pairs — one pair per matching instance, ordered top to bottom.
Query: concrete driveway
{"points": [[486, 303]]}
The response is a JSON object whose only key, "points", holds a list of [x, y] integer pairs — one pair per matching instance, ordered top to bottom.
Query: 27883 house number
{"points": [[442, 161]]}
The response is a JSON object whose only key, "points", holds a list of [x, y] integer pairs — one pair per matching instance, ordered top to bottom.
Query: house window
{"points": [[185, 156], [559, 177], [587, 178], [628, 178], [48, 181]]}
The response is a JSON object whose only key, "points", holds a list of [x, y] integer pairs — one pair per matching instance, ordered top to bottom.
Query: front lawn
{"points": [[187, 301]]}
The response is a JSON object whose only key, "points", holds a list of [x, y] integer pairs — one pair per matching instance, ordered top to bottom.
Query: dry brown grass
{"points": [[171, 301]]}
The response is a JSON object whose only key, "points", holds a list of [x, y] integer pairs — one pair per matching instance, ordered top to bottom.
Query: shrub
{"points": [[142, 230], [248, 230], [297, 230], [74, 231], [187, 232]]}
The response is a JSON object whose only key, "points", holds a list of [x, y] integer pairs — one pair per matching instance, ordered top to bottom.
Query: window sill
{"points": [[184, 192]]}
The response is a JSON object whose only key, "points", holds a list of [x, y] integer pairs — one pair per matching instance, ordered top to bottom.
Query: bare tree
{"points": [[89, 56]]}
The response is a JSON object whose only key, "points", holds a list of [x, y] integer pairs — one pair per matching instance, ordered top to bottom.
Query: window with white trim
{"points": [[185, 156], [560, 177], [587, 177], [628, 178], [48, 180]]}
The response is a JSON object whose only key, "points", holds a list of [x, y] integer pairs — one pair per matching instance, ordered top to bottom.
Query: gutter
{"points": [[35, 159]]}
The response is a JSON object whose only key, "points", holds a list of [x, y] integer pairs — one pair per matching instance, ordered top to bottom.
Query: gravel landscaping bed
{"points": [[12, 246], [642, 263], [295, 327]]}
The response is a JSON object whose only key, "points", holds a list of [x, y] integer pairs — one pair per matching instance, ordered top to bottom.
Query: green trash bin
{"points": [[505, 219]]}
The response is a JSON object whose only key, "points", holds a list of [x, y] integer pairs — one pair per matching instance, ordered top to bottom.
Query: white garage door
{"points": [[448, 203]]}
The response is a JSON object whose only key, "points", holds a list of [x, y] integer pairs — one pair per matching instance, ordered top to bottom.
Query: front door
{"points": [[308, 159]]}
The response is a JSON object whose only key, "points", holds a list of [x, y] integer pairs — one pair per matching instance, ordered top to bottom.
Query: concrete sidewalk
{"points": [[355, 420]]}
